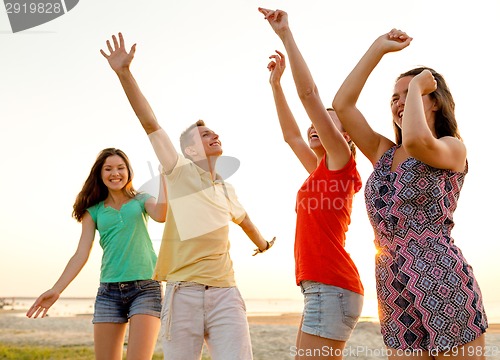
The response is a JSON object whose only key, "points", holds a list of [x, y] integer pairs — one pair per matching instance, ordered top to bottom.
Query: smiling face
{"points": [[398, 102], [312, 134], [313, 138], [206, 143], [114, 173]]}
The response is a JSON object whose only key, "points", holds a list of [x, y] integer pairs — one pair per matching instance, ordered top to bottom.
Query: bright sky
{"points": [[61, 104]]}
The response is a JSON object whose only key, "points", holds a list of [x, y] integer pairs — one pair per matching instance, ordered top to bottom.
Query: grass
{"points": [[26, 352]]}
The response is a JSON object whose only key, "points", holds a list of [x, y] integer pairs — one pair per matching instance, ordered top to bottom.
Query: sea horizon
{"points": [[68, 306], [78, 306]]}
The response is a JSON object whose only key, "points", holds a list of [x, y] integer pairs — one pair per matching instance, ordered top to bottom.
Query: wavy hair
{"points": [[94, 190]]}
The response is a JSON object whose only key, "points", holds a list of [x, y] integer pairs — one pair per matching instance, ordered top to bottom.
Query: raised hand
{"points": [[278, 19], [394, 40], [118, 57], [276, 66], [425, 81], [43, 303]]}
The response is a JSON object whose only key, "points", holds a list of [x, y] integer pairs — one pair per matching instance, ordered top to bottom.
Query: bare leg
{"points": [[142, 336], [108, 341], [312, 347]]}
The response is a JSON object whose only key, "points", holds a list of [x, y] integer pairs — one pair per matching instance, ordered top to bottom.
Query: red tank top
{"points": [[323, 207]]}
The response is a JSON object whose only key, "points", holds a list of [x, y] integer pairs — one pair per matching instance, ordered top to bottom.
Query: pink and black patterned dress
{"points": [[427, 294]]}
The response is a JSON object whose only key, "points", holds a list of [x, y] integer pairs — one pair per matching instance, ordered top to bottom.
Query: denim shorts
{"points": [[118, 302], [329, 311]]}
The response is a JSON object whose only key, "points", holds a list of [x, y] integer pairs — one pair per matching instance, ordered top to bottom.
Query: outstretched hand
{"points": [[278, 19], [394, 40], [118, 57], [276, 66], [269, 245], [43, 303]]}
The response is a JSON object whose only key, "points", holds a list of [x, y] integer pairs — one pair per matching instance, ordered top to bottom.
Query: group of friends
{"points": [[429, 300]]}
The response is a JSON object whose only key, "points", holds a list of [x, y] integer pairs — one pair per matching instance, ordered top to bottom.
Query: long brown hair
{"points": [[445, 124], [94, 190]]}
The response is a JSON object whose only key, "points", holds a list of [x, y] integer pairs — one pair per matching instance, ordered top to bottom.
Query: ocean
{"points": [[67, 307]]}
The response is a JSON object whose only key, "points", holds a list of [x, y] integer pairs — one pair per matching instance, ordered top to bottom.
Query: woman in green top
{"points": [[109, 203]]}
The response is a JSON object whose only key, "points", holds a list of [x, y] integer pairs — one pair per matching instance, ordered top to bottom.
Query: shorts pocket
{"points": [[149, 285], [102, 290], [240, 299], [352, 304]]}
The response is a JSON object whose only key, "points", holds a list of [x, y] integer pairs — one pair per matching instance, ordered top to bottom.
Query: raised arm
{"points": [[120, 61], [289, 127], [332, 139], [371, 144], [444, 153], [157, 208], [73, 268]]}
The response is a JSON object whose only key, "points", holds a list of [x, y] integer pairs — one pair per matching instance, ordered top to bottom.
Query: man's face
{"points": [[206, 142]]}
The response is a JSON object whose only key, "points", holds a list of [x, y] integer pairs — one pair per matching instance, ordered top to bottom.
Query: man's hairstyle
{"points": [[186, 138]]}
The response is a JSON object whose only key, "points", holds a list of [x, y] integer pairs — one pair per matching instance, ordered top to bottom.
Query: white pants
{"points": [[193, 313]]}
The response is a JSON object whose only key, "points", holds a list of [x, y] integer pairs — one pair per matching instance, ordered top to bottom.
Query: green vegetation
{"points": [[26, 352]]}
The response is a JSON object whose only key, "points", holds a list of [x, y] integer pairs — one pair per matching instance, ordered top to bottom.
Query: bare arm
{"points": [[120, 61], [289, 127], [332, 140], [418, 140], [372, 144], [157, 208], [254, 234], [73, 268]]}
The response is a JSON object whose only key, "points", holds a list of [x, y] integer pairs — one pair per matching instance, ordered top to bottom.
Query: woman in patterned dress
{"points": [[430, 305]]}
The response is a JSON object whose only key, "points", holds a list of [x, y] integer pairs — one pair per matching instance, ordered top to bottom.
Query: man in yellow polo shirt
{"points": [[202, 302]]}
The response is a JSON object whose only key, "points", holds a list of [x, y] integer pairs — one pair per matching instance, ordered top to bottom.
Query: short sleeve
{"points": [[142, 198], [93, 212], [238, 213]]}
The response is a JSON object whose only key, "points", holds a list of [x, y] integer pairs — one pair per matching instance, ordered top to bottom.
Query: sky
{"points": [[60, 104]]}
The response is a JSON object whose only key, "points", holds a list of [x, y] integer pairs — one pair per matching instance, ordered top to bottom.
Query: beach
{"points": [[273, 336]]}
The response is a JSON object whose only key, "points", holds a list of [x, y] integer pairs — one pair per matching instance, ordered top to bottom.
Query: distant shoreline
{"points": [[288, 319]]}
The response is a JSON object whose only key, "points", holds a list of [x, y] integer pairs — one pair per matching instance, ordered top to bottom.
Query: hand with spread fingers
{"points": [[118, 57], [43, 303]]}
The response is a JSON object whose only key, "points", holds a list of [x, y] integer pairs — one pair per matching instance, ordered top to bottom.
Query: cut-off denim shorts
{"points": [[118, 302], [329, 311]]}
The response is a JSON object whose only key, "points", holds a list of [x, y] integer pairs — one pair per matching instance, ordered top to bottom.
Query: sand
{"points": [[273, 337]]}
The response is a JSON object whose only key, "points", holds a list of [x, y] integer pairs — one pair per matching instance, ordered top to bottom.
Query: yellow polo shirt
{"points": [[195, 244]]}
